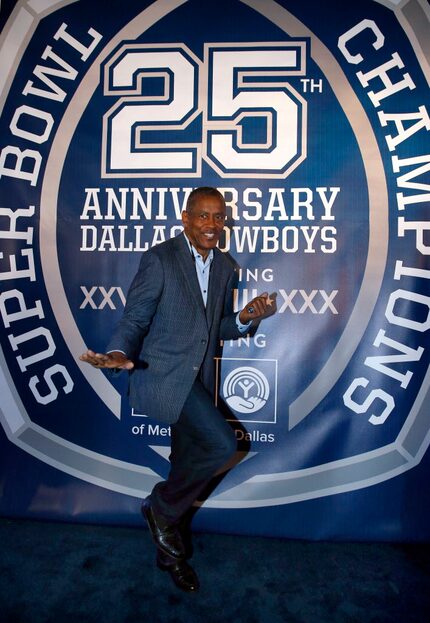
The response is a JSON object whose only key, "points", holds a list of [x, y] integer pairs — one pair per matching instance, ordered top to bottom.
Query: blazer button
{"points": [[204, 341]]}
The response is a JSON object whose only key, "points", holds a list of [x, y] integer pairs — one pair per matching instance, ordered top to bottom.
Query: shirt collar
{"points": [[196, 254]]}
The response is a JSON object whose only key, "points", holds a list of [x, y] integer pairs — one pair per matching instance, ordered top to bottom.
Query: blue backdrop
{"points": [[314, 125]]}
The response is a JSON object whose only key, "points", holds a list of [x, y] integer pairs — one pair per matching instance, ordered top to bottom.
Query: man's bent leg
{"points": [[202, 442]]}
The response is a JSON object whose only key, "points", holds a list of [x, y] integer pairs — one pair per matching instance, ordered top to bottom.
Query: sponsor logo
{"points": [[247, 389]]}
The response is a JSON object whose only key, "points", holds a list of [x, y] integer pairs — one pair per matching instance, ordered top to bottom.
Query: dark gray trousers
{"points": [[201, 443]]}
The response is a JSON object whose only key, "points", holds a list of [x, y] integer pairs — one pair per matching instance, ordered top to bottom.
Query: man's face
{"points": [[204, 224]]}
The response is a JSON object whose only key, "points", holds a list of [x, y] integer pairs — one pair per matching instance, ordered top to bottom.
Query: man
{"points": [[179, 307]]}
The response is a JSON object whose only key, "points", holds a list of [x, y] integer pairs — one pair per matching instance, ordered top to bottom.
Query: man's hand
{"points": [[259, 308], [109, 360]]}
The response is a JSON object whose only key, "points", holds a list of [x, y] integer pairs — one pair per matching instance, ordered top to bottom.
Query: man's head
{"points": [[204, 218]]}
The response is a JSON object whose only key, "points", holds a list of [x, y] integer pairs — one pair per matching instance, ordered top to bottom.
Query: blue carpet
{"points": [[59, 573]]}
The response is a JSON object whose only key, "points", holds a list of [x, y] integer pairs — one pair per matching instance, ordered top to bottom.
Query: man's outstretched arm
{"points": [[115, 359]]}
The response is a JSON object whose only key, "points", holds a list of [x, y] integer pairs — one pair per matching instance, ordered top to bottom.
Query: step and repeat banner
{"points": [[313, 121]]}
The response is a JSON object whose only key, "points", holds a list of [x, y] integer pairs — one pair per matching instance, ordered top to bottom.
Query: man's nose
{"points": [[212, 221]]}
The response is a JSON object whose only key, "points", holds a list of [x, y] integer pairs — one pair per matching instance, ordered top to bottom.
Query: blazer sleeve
{"points": [[141, 304], [228, 329]]}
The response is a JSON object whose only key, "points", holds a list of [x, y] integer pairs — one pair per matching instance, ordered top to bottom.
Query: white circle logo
{"points": [[246, 390]]}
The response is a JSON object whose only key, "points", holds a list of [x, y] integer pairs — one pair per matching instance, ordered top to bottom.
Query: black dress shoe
{"points": [[165, 536], [182, 574]]}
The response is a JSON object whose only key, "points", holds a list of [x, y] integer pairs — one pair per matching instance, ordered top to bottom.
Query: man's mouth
{"points": [[209, 236]]}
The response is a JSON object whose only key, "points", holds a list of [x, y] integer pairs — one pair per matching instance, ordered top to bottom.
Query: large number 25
{"points": [[238, 86]]}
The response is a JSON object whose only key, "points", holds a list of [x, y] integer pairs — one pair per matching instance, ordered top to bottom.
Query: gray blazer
{"points": [[167, 331]]}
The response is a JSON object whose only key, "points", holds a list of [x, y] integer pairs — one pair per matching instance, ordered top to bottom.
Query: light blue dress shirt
{"points": [[203, 269]]}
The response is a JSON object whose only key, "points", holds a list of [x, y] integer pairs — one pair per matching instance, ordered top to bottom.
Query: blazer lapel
{"points": [[186, 265], [215, 289]]}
